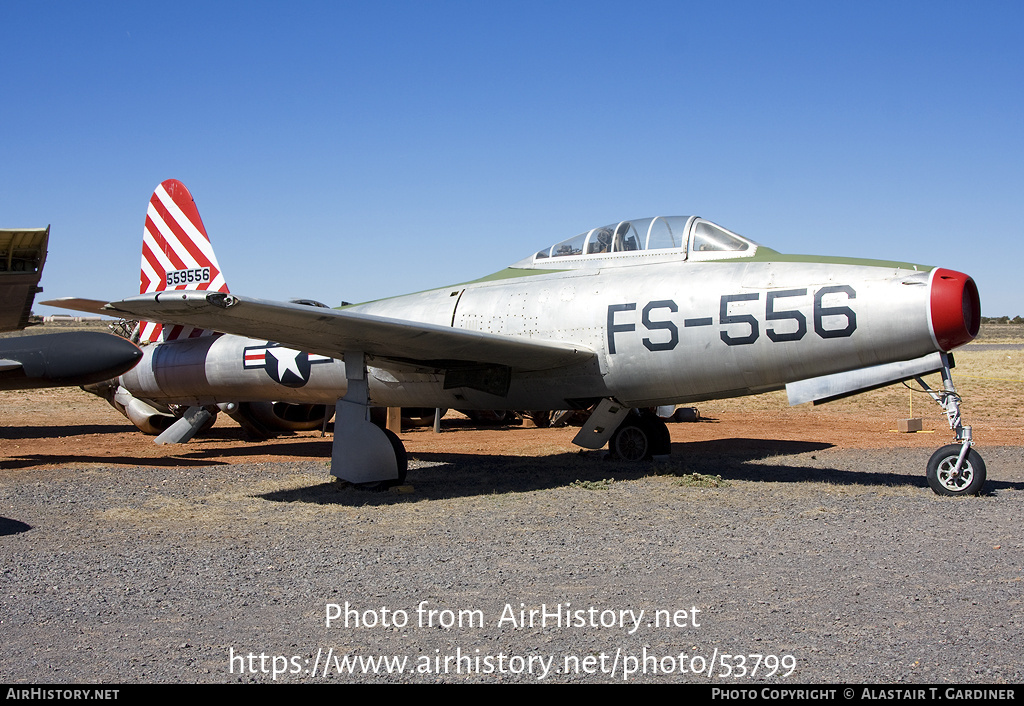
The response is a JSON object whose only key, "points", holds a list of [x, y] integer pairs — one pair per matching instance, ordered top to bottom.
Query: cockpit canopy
{"points": [[689, 236]]}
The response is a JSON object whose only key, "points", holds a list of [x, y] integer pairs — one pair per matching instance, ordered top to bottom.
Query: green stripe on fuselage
{"points": [[764, 254], [509, 273]]}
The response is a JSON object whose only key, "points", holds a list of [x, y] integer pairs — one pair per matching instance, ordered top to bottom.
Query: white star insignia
{"points": [[285, 361]]}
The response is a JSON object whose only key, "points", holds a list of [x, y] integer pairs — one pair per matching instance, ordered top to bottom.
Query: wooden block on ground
{"points": [[394, 422], [910, 425]]}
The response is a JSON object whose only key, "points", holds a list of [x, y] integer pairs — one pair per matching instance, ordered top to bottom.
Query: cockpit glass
{"points": [[667, 232], [661, 233], [626, 237], [707, 237], [600, 240], [572, 246]]}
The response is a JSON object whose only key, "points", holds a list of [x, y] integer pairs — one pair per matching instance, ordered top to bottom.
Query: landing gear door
{"points": [[601, 424]]}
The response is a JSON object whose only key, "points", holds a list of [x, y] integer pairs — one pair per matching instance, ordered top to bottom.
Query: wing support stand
{"points": [[362, 452], [956, 469]]}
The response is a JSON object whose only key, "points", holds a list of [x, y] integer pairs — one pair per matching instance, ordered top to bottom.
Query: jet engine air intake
{"points": [[955, 308]]}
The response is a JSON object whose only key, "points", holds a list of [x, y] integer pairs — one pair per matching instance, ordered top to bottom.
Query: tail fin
{"points": [[176, 254]]}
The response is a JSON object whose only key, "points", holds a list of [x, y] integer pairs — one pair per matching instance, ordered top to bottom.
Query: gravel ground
{"points": [[839, 565]]}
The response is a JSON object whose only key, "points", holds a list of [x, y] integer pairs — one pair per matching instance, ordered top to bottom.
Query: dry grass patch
{"points": [[701, 480]]}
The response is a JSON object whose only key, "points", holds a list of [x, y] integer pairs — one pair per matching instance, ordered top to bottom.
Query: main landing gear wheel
{"points": [[640, 437], [630, 441], [362, 453], [400, 458], [945, 480]]}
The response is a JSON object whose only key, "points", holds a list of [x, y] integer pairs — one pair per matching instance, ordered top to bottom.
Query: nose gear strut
{"points": [[956, 469]]}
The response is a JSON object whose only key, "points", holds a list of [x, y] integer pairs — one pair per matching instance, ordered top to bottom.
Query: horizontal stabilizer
{"points": [[87, 306], [332, 332], [833, 387]]}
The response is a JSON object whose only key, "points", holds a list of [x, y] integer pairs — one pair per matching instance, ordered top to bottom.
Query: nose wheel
{"points": [[956, 469], [948, 474]]}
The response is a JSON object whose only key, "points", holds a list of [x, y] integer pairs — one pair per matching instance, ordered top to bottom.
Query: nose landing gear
{"points": [[956, 469], [950, 472]]}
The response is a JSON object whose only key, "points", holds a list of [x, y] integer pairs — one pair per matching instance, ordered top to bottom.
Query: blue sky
{"points": [[355, 151]]}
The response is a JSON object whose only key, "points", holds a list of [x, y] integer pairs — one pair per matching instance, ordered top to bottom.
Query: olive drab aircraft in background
{"points": [[615, 321]]}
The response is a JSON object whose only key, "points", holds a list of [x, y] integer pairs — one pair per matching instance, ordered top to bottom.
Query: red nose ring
{"points": [[955, 308]]}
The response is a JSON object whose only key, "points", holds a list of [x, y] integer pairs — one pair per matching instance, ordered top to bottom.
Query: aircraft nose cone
{"points": [[955, 308]]}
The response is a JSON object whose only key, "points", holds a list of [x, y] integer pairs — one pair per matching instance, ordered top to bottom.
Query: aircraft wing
{"points": [[22, 254], [332, 332]]}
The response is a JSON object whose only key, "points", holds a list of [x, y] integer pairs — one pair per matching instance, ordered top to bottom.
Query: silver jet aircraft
{"points": [[616, 320]]}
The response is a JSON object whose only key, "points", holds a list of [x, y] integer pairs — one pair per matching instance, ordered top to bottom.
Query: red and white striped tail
{"points": [[176, 254]]}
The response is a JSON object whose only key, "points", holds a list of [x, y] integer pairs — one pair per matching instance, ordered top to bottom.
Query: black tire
{"points": [[208, 425], [661, 439], [632, 440], [400, 456], [401, 460], [969, 481]]}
